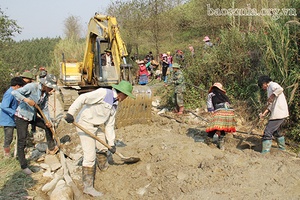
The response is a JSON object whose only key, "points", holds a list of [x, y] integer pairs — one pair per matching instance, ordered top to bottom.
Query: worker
{"points": [[207, 43], [106, 58], [142, 73], [29, 77], [179, 84], [35, 93], [8, 108], [96, 108], [278, 108], [222, 115]]}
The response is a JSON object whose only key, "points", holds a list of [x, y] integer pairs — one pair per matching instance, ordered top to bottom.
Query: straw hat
{"points": [[140, 62], [217, 85], [125, 87]]}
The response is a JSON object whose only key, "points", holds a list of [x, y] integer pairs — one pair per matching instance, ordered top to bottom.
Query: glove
{"points": [[69, 118], [113, 149]]}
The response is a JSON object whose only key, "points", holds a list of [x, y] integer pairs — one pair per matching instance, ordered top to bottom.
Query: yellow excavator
{"points": [[94, 72]]}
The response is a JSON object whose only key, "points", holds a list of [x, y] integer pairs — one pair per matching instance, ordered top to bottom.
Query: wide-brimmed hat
{"points": [[206, 38], [108, 50], [141, 62], [176, 65], [28, 75], [50, 81], [217, 85], [125, 87]]}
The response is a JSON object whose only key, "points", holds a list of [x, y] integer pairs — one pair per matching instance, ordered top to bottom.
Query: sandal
{"points": [[54, 151]]}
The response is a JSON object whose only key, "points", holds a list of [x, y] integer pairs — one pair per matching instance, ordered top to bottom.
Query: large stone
{"points": [[53, 162], [62, 192]]}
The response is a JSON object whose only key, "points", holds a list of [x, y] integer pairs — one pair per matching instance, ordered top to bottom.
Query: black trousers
{"points": [[22, 132]]}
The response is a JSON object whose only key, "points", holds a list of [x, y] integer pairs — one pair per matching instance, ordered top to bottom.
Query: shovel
{"points": [[128, 160]]}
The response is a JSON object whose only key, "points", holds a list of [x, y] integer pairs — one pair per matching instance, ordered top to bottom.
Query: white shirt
{"points": [[279, 107]]}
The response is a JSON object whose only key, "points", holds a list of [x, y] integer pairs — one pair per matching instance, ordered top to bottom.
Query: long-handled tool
{"points": [[46, 120], [257, 122], [128, 160]]}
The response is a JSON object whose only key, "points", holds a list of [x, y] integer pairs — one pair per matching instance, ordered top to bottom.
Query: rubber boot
{"points": [[180, 111], [221, 143], [281, 143], [266, 146], [6, 152], [102, 162], [88, 176]]}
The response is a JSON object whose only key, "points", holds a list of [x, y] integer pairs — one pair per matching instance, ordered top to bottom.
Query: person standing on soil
{"points": [[165, 66], [142, 74], [179, 84], [35, 93], [8, 108], [96, 108], [278, 108], [222, 115]]}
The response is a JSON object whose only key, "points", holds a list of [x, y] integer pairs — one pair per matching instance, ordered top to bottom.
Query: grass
{"points": [[13, 182]]}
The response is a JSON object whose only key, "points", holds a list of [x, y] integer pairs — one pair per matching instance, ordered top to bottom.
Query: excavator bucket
{"points": [[135, 111]]}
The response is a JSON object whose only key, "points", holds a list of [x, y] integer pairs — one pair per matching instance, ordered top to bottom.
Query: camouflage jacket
{"points": [[178, 81]]}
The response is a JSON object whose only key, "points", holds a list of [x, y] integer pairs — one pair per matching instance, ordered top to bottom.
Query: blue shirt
{"points": [[31, 91], [8, 108]]}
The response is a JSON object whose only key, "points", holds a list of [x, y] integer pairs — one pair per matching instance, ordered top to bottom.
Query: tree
{"points": [[8, 27], [72, 27]]}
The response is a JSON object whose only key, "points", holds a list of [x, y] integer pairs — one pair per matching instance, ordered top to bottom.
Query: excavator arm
{"points": [[103, 28], [103, 33]]}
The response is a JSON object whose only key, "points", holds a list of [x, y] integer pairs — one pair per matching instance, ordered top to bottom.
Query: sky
{"points": [[41, 19]]}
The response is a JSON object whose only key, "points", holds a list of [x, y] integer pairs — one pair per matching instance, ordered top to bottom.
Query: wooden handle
{"points": [[46, 121], [92, 135]]}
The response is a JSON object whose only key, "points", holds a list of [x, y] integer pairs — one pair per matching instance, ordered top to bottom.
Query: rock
{"points": [[164, 110], [65, 139], [42, 147], [36, 154], [53, 162], [44, 166], [50, 186], [62, 192]]}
